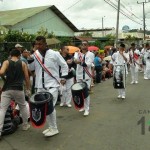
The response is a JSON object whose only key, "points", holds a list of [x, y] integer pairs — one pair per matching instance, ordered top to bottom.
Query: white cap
{"points": [[18, 45]]}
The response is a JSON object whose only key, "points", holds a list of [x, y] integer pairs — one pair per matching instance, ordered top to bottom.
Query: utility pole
{"points": [[143, 15], [117, 24], [102, 26]]}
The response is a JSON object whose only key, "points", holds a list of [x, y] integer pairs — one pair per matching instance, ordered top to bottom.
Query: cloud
{"points": [[89, 13]]}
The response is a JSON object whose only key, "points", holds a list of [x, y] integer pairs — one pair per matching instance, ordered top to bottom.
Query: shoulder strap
{"points": [[43, 66], [85, 68]]}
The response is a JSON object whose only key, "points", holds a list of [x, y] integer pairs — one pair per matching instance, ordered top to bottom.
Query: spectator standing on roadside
{"points": [[16, 71]]}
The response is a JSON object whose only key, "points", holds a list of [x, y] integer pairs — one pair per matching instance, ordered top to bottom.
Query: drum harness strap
{"points": [[132, 59], [44, 68], [84, 68]]}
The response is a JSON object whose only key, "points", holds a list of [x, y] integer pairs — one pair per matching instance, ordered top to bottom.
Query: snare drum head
{"points": [[78, 86], [41, 97]]}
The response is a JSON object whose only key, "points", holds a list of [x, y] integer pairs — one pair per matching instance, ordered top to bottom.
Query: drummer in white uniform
{"points": [[134, 55], [121, 58], [51, 60], [84, 60], [147, 61]]}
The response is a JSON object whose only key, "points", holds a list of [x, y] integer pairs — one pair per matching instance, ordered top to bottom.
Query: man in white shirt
{"points": [[142, 57], [121, 58], [84, 60], [147, 62], [134, 63], [44, 81]]}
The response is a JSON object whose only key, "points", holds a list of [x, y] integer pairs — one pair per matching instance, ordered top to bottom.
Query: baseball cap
{"points": [[18, 45], [25, 50]]}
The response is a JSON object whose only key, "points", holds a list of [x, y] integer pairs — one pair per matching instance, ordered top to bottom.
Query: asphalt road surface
{"points": [[113, 124]]}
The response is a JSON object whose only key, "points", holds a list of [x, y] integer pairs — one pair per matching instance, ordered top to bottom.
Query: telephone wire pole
{"points": [[143, 15]]}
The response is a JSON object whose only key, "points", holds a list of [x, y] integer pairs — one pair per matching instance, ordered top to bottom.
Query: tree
{"points": [[43, 32], [86, 34], [51, 35], [16, 36], [130, 38]]}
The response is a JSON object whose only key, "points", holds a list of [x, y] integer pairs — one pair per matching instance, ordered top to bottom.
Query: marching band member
{"points": [[134, 55], [121, 58], [143, 60], [147, 61], [84, 62], [46, 66], [66, 96]]}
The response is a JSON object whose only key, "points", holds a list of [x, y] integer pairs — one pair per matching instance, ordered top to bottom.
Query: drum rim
{"points": [[76, 83], [41, 102]]}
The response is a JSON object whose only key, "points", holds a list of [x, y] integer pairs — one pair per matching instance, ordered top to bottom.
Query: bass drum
{"points": [[119, 77], [79, 91], [41, 104]]}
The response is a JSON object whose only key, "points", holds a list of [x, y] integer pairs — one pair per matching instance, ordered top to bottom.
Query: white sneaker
{"points": [[145, 78], [132, 82], [136, 82], [119, 96], [123, 97], [61, 104], [69, 105], [81, 110], [86, 113], [25, 127], [45, 131], [51, 132]]}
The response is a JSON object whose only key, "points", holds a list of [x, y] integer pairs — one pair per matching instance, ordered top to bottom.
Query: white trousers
{"points": [[147, 69], [134, 73], [66, 91], [122, 92], [19, 98], [87, 100], [51, 118]]}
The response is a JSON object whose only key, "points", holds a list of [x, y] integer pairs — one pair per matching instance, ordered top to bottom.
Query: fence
{"points": [[6, 47]]}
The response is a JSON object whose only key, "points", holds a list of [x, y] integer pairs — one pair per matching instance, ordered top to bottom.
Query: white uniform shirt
{"points": [[143, 51], [146, 55], [89, 59], [119, 60], [52, 61], [135, 62]]}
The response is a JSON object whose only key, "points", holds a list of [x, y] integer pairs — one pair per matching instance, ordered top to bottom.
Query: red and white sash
{"points": [[43, 66], [85, 68]]}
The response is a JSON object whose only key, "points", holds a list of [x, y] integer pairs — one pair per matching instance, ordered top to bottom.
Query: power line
{"points": [[143, 3], [72, 5], [123, 5], [121, 11], [131, 12], [124, 13], [55, 16]]}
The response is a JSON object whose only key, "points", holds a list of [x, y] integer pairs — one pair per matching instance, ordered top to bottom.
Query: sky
{"points": [[88, 14]]}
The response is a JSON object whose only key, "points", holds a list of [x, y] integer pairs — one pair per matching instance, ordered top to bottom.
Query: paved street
{"points": [[111, 125]]}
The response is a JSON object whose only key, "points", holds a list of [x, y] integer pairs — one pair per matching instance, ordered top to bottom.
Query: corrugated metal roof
{"points": [[12, 17]]}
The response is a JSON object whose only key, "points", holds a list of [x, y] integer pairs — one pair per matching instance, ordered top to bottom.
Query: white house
{"points": [[32, 19]]}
